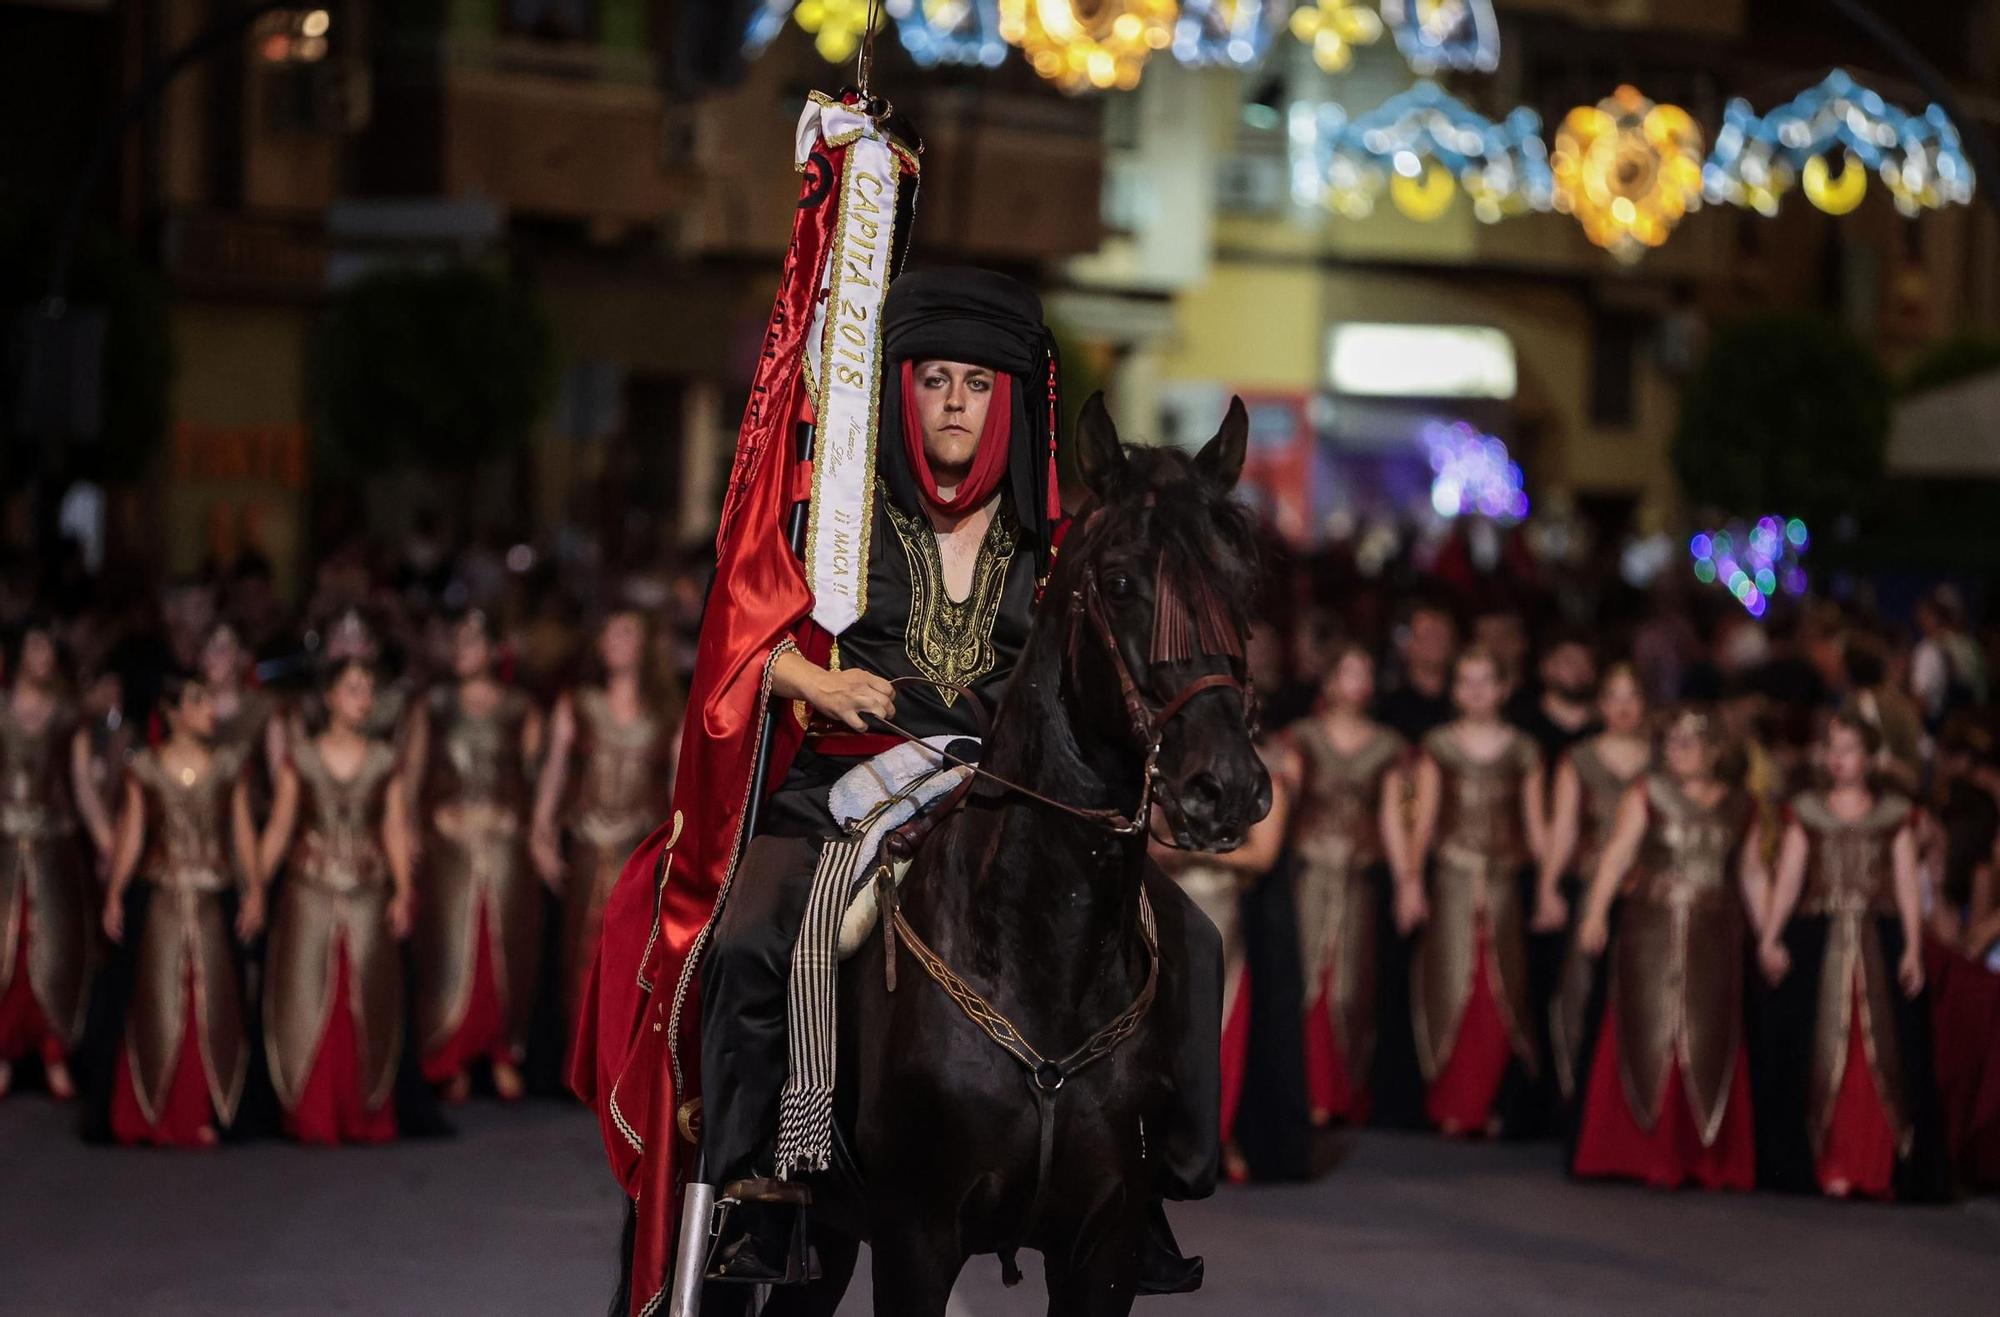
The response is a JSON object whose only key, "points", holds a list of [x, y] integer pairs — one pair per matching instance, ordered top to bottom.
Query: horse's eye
{"points": [[1119, 587]]}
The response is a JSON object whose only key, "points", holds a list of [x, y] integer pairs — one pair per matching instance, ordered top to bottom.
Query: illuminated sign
{"points": [[1420, 361]]}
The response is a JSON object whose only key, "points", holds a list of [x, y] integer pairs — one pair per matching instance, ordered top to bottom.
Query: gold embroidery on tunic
{"points": [[950, 640]]}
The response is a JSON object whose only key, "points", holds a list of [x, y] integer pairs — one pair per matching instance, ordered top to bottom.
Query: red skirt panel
{"points": [[23, 1028], [482, 1034], [1235, 1051], [1330, 1090], [1460, 1100], [332, 1109], [187, 1111], [1612, 1145], [1859, 1157]]}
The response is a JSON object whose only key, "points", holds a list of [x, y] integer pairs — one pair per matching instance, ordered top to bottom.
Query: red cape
{"points": [[637, 1037]]}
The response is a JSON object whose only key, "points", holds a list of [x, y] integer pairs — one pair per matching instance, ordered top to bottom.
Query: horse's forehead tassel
{"points": [[1185, 628]]}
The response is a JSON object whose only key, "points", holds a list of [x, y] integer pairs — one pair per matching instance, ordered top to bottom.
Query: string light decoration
{"points": [[836, 26], [1334, 28], [963, 32], [1233, 34], [1445, 34], [1081, 44], [1422, 146], [1759, 158], [1628, 170], [1472, 473], [1753, 562]]}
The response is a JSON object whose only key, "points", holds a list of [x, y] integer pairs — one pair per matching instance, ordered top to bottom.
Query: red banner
{"points": [[638, 1037]]}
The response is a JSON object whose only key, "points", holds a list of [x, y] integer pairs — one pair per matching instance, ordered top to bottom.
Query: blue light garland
{"points": [[767, 20], [963, 32], [1233, 34], [1445, 34], [1758, 158], [1347, 164]]}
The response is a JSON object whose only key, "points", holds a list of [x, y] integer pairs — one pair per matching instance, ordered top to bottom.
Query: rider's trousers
{"points": [[744, 1060]]}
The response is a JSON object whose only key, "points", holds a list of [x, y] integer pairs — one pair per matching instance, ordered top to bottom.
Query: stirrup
{"points": [[751, 1257]]}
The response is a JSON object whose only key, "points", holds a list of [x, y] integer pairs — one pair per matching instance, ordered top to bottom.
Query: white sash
{"points": [[844, 360]]}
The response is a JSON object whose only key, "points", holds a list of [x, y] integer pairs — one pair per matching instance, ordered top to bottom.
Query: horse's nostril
{"points": [[1203, 789]]}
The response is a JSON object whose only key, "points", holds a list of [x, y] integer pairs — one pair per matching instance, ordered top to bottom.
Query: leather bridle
{"points": [[1147, 724]]}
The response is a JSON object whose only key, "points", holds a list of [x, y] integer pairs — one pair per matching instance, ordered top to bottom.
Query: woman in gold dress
{"points": [[611, 753], [1346, 775], [1590, 782], [1478, 822], [186, 854], [46, 901], [479, 908], [333, 999], [1667, 1093], [1853, 1106]]}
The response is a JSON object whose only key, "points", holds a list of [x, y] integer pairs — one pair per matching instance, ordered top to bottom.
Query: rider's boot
{"points": [[762, 1236], [1163, 1269]]}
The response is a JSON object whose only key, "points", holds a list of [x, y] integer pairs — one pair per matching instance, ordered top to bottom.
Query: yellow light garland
{"points": [[837, 26], [1333, 28], [1085, 44], [1628, 170], [1836, 194], [1426, 197]]}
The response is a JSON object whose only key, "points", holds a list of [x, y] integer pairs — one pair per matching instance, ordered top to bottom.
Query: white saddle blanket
{"points": [[873, 799]]}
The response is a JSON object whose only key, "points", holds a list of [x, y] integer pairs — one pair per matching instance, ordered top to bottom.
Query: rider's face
{"points": [[951, 400]]}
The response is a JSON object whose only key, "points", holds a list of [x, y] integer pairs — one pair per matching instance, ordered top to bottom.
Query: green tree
{"points": [[434, 369], [1786, 414]]}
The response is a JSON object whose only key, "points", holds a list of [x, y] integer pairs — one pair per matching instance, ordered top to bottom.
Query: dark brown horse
{"points": [[1056, 926]]}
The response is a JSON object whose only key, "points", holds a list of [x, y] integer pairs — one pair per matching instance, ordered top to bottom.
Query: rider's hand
{"points": [[846, 695], [1592, 934]]}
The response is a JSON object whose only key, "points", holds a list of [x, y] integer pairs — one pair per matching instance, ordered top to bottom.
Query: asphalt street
{"points": [[517, 1215]]}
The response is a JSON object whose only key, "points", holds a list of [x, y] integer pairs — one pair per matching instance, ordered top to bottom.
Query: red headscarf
{"points": [[989, 460]]}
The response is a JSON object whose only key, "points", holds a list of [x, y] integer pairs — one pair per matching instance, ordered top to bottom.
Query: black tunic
{"points": [[912, 628]]}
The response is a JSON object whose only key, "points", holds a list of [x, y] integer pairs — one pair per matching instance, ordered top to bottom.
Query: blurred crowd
{"points": [[1544, 850], [1708, 896]]}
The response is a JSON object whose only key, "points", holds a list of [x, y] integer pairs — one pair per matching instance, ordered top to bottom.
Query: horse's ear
{"points": [[1099, 455], [1221, 458]]}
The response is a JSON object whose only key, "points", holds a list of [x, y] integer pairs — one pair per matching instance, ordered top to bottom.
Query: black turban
{"points": [[982, 318]]}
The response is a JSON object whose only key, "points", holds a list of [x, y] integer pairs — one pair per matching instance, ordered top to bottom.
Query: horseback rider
{"points": [[964, 530]]}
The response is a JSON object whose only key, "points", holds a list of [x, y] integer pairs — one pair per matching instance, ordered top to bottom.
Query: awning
{"points": [[1951, 431]]}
